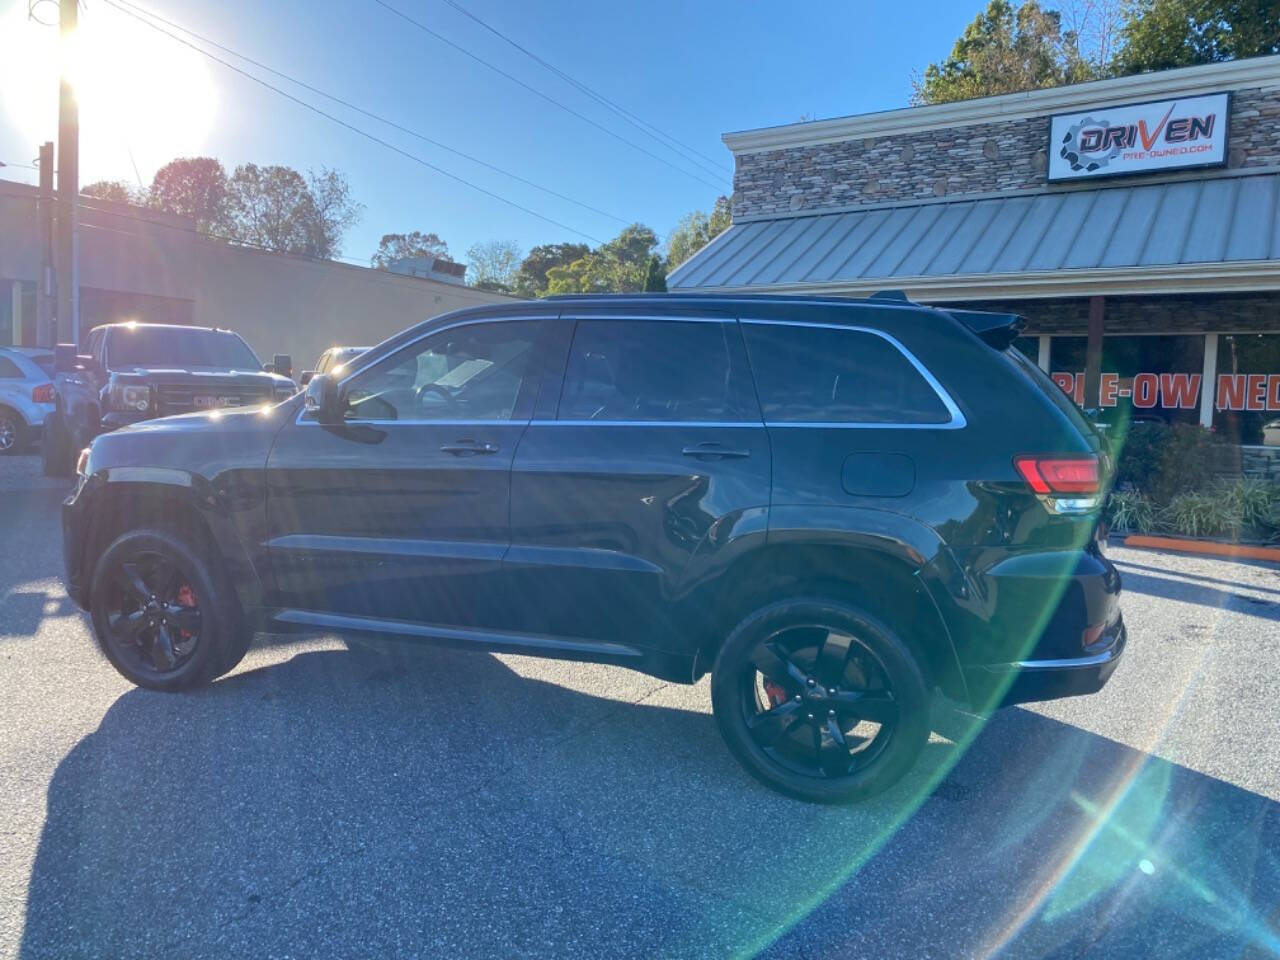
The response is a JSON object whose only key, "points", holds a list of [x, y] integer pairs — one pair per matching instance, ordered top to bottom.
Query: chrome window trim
{"points": [[465, 322], [957, 421], [385, 423], [646, 423]]}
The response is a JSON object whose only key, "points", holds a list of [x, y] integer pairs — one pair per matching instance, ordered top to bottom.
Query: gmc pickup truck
{"points": [[140, 371]]}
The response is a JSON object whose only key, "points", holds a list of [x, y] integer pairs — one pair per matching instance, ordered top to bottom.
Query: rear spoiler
{"points": [[997, 329]]}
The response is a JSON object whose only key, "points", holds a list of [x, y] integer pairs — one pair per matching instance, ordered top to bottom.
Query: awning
{"points": [[1216, 233]]}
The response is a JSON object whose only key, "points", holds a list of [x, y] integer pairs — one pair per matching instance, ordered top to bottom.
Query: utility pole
{"points": [[68, 186], [46, 336]]}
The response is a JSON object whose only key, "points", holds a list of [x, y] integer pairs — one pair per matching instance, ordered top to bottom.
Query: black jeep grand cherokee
{"points": [[834, 506]]}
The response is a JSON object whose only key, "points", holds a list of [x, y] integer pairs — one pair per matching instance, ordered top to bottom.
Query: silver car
{"points": [[26, 395]]}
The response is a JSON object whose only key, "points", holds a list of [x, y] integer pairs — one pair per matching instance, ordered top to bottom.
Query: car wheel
{"points": [[13, 432], [55, 448], [165, 616], [820, 700]]}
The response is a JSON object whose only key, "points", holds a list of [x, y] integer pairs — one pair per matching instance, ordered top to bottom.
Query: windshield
{"points": [[178, 347]]}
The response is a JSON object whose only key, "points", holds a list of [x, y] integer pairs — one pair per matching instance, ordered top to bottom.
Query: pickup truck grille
{"points": [[184, 397]]}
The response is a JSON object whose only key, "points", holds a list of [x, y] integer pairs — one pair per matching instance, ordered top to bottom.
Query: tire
{"points": [[13, 432], [55, 448], [153, 633], [794, 674]]}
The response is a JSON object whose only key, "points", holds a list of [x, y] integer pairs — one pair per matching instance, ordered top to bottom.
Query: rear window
{"points": [[177, 347], [44, 361], [649, 370], [832, 375], [1050, 389]]}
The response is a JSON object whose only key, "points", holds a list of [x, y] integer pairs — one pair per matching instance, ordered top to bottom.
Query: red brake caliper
{"points": [[186, 598], [777, 696]]}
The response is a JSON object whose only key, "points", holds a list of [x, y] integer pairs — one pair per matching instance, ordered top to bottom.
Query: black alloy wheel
{"points": [[164, 612], [153, 616], [820, 701]]}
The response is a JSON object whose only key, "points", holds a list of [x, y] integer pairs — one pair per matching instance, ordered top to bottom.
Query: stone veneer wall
{"points": [[979, 158], [1187, 313], [1261, 462]]}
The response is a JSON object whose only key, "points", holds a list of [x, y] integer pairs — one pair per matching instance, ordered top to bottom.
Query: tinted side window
{"points": [[9, 370], [671, 371], [473, 372], [830, 375]]}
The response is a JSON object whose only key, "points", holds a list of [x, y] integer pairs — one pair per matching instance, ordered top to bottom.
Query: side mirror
{"points": [[64, 357], [282, 364], [306, 377], [322, 399]]}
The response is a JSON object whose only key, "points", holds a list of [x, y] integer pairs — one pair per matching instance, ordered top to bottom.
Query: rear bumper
{"points": [[1069, 677]]}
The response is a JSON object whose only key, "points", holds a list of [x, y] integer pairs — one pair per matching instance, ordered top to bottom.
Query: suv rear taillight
{"points": [[43, 393], [1064, 483]]}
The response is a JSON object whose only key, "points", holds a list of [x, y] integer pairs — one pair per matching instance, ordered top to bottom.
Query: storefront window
{"points": [[1029, 347], [1143, 378], [1247, 397]]}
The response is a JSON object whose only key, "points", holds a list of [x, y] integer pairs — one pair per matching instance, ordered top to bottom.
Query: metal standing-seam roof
{"points": [[1195, 221]]}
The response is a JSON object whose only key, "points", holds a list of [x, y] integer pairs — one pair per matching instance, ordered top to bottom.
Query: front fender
{"points": [[112, 500]]}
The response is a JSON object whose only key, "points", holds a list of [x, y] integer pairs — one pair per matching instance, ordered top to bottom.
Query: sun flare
{"points": [[143, 96]]}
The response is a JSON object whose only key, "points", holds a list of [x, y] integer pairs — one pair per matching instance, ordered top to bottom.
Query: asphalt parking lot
{"points": [[327, 802]]}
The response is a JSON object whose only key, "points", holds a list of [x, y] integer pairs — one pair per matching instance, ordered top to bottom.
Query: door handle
{"points": [[469, 448], [713, 451]]}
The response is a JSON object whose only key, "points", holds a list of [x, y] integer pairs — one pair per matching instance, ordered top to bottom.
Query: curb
{"points": [[1212, 548]]}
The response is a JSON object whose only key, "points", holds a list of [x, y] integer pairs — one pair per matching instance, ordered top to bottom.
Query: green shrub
{"points": [[1164, 461], [1252, 501], [1130, 511], [1200, 515]]}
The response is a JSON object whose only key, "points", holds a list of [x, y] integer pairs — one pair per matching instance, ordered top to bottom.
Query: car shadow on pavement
{"points": [[1169, 588], [22, 611], [339, 804]]}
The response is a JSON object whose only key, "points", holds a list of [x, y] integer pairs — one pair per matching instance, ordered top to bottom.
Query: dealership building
{"points": [[1134, 222]]}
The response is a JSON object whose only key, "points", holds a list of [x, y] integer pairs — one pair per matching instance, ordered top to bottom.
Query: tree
{"points": [[1161, 34], [1006, 49], [194, 187], [117, 191], [269, 208], [276, 208], [334, 211], [695, 230], [402, 246], [628, 263], [493, 265], [532, 280]]}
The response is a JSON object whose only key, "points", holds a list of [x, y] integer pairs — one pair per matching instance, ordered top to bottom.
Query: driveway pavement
{"points": [[325, 802]]}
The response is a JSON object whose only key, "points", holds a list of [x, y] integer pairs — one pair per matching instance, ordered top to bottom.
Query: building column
{"points": [[15, 312], [1045, 343], [1093, 354], [1209, 380]]}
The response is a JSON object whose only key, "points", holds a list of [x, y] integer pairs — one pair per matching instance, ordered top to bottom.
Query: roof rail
{"points": [[897, 295]]}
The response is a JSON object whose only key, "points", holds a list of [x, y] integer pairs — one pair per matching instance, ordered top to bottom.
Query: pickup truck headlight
{"points": [[131, 397]]}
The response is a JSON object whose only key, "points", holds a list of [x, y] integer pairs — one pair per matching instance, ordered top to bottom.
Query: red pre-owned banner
{"points": [[1178, 391]]}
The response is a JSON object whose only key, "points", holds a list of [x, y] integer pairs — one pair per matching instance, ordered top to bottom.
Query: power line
{"points": [[550, 99], [371, 115], [354, 129], [690, 153]]}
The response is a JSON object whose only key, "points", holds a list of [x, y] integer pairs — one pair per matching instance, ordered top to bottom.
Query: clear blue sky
{"points": [[695, 70]]}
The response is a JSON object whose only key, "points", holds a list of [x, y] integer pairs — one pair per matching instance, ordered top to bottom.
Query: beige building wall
{"points": [[139, 264], [295, 305]]}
